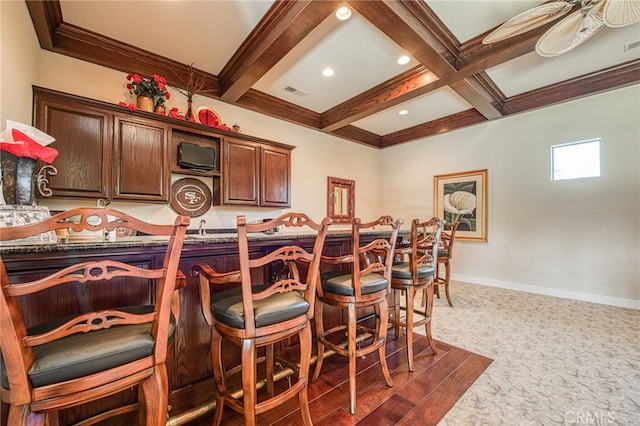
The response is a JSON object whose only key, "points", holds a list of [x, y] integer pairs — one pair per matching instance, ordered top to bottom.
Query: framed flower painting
{"points": [[462, 197]]}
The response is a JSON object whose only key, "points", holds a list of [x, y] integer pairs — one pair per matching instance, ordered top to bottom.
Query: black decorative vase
{"points": [[18, 178]]}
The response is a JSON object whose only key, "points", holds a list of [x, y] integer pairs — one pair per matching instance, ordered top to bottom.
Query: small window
{"points": [[575, 160]]}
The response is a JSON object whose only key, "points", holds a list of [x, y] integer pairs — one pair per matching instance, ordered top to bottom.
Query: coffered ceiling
{"points": [[268, 56]]}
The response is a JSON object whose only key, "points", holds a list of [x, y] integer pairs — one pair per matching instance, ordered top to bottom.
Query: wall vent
{"points": [[631, 45], [299, 92]]}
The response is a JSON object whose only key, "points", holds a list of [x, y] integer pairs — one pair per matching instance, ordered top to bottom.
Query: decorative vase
{"points": [[144, 103], [160, 109], [189, 114], [18, 179]]}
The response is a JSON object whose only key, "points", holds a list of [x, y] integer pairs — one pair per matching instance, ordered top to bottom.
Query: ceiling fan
{"points": [[572, 30]]}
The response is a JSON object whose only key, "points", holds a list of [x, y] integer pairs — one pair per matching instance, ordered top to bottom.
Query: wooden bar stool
{"points": [[445, 253], [415, 272], [365, 284], [258, 314], [100, 345]]}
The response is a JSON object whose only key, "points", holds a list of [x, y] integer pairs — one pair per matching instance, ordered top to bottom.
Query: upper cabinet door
{"points": [[83, 142], [141, 160], [241, 173], [275, 177]]}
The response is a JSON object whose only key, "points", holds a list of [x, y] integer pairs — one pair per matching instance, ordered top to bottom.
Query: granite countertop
{"points": [[212, 236], [152, 241]]}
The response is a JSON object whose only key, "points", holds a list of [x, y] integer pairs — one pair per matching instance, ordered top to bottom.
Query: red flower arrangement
{"points": [[155, 87]]}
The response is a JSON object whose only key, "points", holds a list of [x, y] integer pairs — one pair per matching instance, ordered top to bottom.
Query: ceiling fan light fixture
{"points": [[620, 13], [529, 20], [571, 32]]}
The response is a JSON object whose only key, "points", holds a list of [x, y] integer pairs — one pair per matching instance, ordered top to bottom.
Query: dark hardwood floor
{"points": [[421, 397]]}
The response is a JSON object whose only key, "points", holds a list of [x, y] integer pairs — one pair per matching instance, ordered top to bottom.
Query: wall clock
{"points": [[190, 197]]}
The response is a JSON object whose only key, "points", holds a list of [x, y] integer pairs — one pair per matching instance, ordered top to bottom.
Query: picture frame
{"points": [[341, 195], [468, 206]]}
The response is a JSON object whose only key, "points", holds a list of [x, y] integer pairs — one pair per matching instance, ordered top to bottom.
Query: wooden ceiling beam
{"points": [[46, 17], [411, 24], [285, 25], [414, 27], [88, 46], [611, 78], [402, 88], [434, 127]]}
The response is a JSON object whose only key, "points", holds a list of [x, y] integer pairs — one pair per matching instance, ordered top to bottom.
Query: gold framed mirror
{"points": [[341, 194]]}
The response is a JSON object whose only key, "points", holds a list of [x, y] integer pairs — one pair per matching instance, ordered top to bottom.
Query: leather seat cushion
{"points": [[443, 252], [403, 271], [339, 282], [227, 307], [83, 354]]}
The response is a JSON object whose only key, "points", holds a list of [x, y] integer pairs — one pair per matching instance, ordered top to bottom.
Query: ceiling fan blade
{"points": [[620, 13], [532, 18], [570, 32]]}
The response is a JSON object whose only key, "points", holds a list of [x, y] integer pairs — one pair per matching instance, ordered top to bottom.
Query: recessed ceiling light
{"points": [[343, 13], [404, 59], [328, 72], [403, 112]]}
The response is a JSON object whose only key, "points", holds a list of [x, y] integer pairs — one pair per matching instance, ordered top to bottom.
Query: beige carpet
{"points": [[556, 361]]}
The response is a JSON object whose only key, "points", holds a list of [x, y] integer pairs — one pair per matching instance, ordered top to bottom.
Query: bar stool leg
{"points": [[447, 277], [409, 300], [382, 309], [396, 312], [428, 312], [317, 317], [351, 336], [305, 362], [269, 365], [218, 374], [249, 381]]}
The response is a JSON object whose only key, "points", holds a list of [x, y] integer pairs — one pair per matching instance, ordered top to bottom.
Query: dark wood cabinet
{"points": [[83, 142], [109, 152], [103, 154], [140, 160], [241, 173], [256, 174], [275, 177]]}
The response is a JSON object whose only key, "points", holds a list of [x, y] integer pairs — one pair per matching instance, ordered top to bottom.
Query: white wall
{"points": [[573, 238], [577, 239]]}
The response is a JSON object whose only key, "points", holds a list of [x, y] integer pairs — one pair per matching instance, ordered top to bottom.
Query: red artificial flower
{"points": [[155, 87]]}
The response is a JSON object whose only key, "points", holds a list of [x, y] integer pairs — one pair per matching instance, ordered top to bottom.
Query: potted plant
{"points": [[150, 92]]}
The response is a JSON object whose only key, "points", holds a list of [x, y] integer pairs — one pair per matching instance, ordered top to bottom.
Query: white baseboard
{"points": [[565, 294]]}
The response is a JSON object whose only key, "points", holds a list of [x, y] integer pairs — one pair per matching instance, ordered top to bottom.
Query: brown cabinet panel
{"points": [[82, 141], [141, 161], [241, 173], [256, 174], [275, 177]]}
